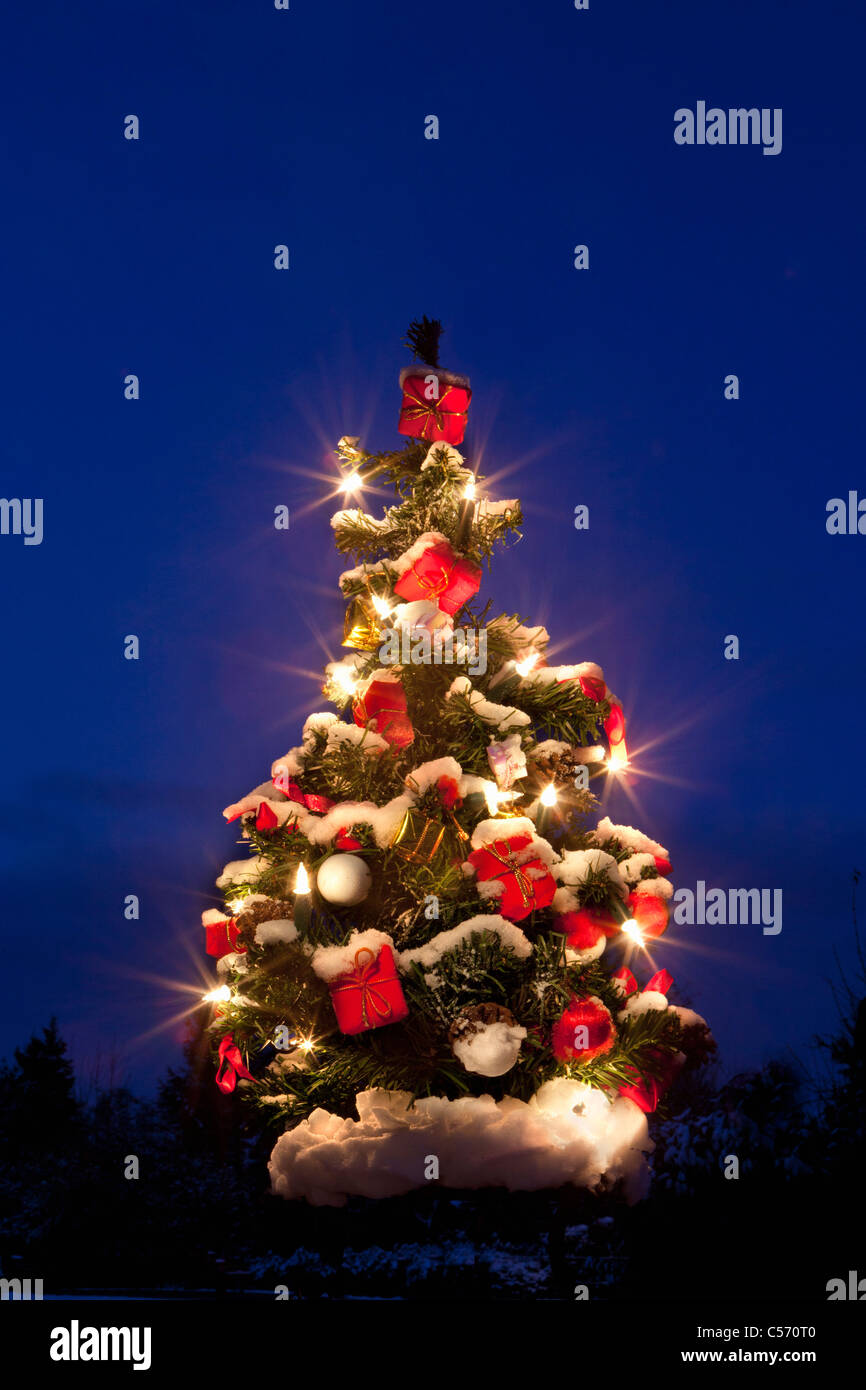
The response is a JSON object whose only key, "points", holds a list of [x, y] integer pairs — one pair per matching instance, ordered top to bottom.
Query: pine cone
{"points": [[562, 767], [270, 910], [477, 1016]]}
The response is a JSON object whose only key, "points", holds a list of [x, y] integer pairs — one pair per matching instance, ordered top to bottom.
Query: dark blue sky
{"points": [[606, 388]]}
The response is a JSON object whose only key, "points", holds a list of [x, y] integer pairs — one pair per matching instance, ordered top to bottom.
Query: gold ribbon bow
{"points": [[432, 411], [435, 587], [524, 883], [359, 978]]}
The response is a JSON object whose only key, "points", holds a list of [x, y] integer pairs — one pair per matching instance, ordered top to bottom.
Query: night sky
{"points": [[602, 387]]}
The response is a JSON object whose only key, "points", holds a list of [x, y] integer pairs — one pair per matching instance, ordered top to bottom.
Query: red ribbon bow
{"points": [[661, 982], [231, 1066]]}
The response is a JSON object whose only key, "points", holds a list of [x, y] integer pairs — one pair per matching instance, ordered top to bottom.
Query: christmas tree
{"points": [[429, 964]]}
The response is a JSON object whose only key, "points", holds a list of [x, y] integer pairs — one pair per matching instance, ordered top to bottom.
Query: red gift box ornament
{"points": [[435, 404], [440, 576], [383, 707], [527, 886], [221, 938], [370, 994]]}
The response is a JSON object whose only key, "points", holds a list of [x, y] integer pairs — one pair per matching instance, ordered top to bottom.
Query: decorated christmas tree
{"points": [[435, 965]]}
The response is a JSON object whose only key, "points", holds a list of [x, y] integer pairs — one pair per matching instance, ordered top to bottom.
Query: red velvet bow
{"points": [[312, 800], [627, 978], [661, 982], [231, 1066]]}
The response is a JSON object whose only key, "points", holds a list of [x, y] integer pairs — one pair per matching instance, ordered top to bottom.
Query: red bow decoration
{"points": [[442, 420], [439, 576], [593, 687], [383, 706], [449, 792], [312, 800], [319, 805], [265, 819], [523, 894], [221, 938], [627, 978], [661, 982], [369, 995], [231, 1066], [647, 1091]]}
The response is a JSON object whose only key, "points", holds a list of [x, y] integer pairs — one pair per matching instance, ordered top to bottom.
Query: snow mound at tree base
{"points": [[566, 1133]]}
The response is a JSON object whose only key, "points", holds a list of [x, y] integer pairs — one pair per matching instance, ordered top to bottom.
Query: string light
{"points": [[352, 482], [469, 491], [381, 606], [524, 667], [344, 679], [617, 762], [548, 796], [236, 904], [302, 910], [633, 931], [221, 995], [306, 1046]]}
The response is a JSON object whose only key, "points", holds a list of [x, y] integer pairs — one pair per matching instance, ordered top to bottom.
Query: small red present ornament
{"points": [[435, 404], [439, 575], [382, 708], [528, 886], [221, 938], [370, 994]]}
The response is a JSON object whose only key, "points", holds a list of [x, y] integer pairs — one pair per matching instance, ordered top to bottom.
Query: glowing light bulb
{"points": [[352, 482], [469, 491], [381, 606], [524, 667], [344, 678], [617, 762], [548, 796], [302, 880], [236, 904], [633, 931], [221, 995], [306, 1045]]}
